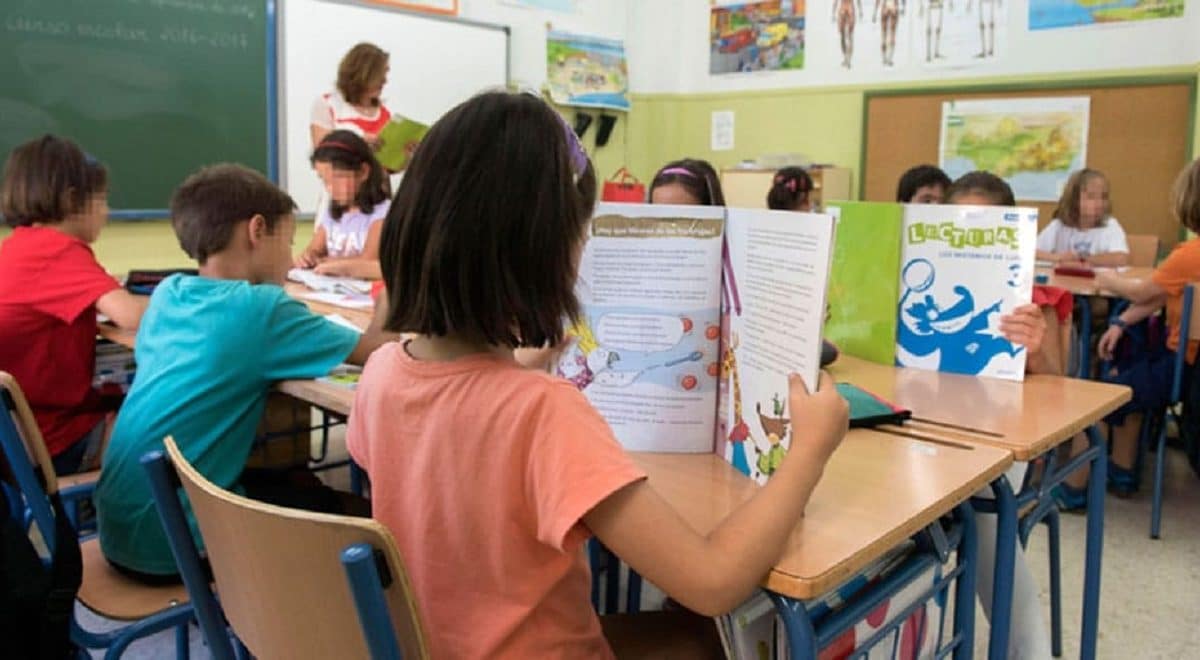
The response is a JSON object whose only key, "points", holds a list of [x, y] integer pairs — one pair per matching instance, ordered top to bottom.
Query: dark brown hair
{"points": [[360, 69], [346, 151], [696, 176], [918, 177], [48, 179], [983, 183], [789, 188], [1185, 196], [209, 204], [1067, 210], [483, 236]]}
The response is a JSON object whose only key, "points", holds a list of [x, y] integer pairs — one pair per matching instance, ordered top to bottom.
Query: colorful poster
{"points": [[448, 7], [1050, 14], [952, 35], [756, 36], [588, 72], [1032, 143], [962, 268], [864, 280]]}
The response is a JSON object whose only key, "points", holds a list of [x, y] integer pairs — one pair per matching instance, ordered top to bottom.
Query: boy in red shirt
{"points": [[56, 198]]}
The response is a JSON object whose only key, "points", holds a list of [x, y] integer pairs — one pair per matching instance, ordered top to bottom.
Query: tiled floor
{"points": [[1150, 607]]}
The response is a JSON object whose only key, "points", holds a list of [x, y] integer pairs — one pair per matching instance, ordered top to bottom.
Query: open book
{"points": [[397, 139], [340, 291], [692, 319]]}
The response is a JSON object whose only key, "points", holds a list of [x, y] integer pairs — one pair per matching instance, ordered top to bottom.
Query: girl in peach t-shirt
{"points": [[492, 475]]}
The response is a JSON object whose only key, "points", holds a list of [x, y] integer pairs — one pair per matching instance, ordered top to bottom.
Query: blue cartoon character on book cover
{"points": [[962, 268]]}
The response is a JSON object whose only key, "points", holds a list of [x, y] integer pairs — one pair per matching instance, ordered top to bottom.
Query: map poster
{"points": [[1050, 14], [756, 36], [588, 72], [1032, 143]]}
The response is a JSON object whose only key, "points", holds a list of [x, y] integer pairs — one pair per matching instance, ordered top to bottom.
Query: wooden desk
{"points": [[1086, 286], [359, 317], [1027, 418], [878, 490]]}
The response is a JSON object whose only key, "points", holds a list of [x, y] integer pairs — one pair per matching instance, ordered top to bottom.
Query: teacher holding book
{"points": [[355, 105]]}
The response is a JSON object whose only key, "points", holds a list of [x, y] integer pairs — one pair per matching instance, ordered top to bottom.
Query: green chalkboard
{"points": [[152, 88]]}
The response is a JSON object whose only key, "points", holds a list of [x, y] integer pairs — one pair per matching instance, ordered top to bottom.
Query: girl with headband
{"points": [[790, 190], [345, 241]]}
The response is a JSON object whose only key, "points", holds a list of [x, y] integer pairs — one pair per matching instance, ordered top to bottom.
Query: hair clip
{"points": [[677, 170]]}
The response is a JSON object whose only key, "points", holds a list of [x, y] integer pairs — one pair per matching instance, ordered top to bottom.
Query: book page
{"points": [[962, 268], [776, 280], [645, 350]]}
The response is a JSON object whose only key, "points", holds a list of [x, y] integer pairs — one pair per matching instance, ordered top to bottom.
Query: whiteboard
{"points": [[436, 63]]}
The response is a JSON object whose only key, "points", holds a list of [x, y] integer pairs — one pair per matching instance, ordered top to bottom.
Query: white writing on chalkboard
{"points": [[202, 6], [121, 31]]}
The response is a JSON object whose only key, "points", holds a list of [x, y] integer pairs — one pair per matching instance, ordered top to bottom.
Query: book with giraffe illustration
{"points": [[692, 318]]}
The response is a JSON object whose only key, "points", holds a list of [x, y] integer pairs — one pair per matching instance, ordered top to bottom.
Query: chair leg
{"points": [[1156, 501], [1052, 537], [633, 595], [182, 645]]}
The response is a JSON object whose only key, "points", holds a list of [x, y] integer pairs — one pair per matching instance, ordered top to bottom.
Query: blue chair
{"points": [[1189, 329], [271, 559], [104, 591]]}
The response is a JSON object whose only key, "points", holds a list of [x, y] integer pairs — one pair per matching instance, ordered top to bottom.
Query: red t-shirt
{"points": [[49, 284]]}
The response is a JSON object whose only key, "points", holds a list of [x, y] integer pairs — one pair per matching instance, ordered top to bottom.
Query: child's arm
{"points": [[314, 253], [1057, 257], [1108, 259], [1137, 291], [124, 308], [1132, 314], [374, 336], [712, 574]]}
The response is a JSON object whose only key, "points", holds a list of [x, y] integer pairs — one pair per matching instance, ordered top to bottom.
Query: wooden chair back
{"points": [[1143, 250], [31, 435], [279, 578]]}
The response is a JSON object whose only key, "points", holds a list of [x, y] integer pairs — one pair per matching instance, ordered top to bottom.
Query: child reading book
{"points": [[345, 241], [491, 475]]}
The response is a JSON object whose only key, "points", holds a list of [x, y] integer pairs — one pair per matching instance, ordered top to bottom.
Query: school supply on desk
{"points": [[397, 140], [962, 268], [1075, 270], [864, 281], [143, 282], [329, 284], [692, 318], [343, 375], [868, 410]]}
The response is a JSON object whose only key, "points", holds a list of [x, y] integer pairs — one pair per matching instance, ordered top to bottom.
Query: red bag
{"points": [[623, 187]]}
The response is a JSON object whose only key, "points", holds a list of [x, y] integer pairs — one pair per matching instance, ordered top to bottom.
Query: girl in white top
{"points": [[355, 105], [1083, 229], [345, 240]]}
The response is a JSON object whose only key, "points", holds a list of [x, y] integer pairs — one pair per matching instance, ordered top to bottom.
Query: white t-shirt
{"points": [[331, 111], [347, 236], [1059, 238]]}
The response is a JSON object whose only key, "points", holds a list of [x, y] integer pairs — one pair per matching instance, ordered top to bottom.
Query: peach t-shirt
{"points": [[1179, 269], [483, 471]]}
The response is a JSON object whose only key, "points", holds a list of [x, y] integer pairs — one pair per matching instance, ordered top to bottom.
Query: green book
{"points": [[395, 139], [864, 280]]}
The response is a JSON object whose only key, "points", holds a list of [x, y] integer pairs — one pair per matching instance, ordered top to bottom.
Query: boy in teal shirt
{"points": [[208, 350]]}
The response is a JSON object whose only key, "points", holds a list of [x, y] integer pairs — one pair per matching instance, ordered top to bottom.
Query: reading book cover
{"points": [[396, 141], [963, 267], [864, 280], [692, 318]]}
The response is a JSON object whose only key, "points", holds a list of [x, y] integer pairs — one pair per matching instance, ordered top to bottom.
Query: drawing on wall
{"points": [[845, 14], [1051, 14], [887, 15], [960, 34], [756, 36], [587, 71], [1032, 143]]}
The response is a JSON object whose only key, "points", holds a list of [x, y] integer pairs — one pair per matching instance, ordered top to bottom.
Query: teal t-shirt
{"points": [[208, 352]]}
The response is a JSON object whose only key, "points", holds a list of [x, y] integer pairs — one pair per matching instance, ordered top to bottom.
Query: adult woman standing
{"points": [[355, 105]]}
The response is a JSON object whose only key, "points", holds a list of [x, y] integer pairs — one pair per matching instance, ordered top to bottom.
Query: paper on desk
{"points": [[328, 284], [339, 299], [343, 321]]}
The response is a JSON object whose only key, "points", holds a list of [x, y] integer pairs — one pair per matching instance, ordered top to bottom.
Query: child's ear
{"points": [[256, 229]]}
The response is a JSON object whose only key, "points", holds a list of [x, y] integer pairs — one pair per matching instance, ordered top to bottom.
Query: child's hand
{"points": [[1068, 257], [305, 259], [334, 269], [1105, 279], [1025, 326], [1107, 345], [824, 415]]}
